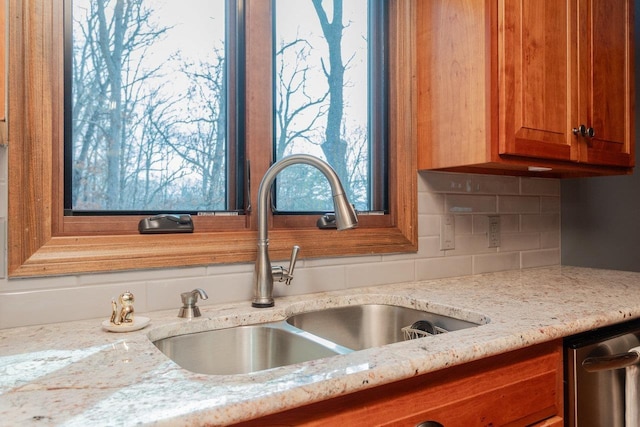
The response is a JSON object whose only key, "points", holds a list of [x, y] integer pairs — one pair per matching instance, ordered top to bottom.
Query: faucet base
{"points": [[262, 304], [189, 312]]}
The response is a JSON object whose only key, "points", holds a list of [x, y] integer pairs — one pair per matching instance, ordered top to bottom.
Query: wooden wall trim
{"points": [[39, 243]]}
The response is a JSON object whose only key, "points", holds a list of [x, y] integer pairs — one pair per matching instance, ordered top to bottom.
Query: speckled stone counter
{"points": [[77, 374]]}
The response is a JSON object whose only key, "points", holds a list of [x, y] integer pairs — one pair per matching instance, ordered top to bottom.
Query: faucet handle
{"points": [[292, 264], [189, 300]]}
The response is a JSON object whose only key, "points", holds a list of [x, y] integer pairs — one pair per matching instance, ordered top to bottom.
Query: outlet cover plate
{"points": [[494, 231], [447, 232]]}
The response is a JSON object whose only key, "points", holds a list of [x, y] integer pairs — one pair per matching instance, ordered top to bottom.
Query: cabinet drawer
{"points": [[522, 387], [523, 402]]}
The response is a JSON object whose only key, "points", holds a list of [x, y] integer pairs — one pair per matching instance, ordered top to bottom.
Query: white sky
{"points": [[198, 25], [197, 28]]}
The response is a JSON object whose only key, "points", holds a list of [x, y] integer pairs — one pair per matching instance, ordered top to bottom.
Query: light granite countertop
{"points": [[77, 374]]}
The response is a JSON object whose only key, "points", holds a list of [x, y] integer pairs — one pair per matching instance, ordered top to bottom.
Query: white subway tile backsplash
{"points": [[4, 172], [423, 181], [444, 182], [496, 184], [540, 186], [4, 195], [3, 199], [430, 203], [461, 203], [518, 204], [550, 204], [529, 211], [545, 222], [508, 223], [463, 224], [481, 224], [428, 225], [550, 239], [519, 241], [469, 244], [428, 247], [3, 248], [540, 258], [327, 262], [496, 262], [437, 268], [225, 269], [377, 274], [141, 275], [309, 280], [39, 283], [165, 294], [65, 304]]}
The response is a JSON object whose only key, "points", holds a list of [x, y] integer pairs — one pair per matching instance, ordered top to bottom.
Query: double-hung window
{"points": [[139, 107]]}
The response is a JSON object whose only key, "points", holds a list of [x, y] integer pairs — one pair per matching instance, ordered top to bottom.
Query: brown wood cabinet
{"points": [[507, 85], [522, 387]]}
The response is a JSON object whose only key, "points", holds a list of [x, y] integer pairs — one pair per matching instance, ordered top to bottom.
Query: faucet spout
{"points": [[345, 218]]}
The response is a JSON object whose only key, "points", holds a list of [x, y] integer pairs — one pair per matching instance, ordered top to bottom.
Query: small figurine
{"points": [[126, 309]]}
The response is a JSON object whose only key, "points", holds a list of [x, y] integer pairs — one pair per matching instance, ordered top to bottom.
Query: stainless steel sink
{"points": [[370, 325], [301, 337], [241, 349]]}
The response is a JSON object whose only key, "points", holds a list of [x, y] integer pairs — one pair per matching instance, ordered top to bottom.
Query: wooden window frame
{"points": [[42, 241]]}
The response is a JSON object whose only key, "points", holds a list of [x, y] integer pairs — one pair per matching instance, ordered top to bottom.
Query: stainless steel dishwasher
{"points": [[595, 364]]}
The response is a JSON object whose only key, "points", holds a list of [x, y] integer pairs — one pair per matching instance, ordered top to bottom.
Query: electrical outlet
{"points": [[494, 231], [447, 232]]}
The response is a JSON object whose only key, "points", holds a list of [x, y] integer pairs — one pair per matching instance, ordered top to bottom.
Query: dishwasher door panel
{"points": [[596, 399]]}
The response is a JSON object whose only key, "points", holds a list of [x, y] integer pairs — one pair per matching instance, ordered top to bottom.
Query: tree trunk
{"points": [[113, 60], [334, 148]]}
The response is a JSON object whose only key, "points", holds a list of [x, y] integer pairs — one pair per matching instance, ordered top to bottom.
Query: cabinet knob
{"points": [[582, 130], [590, 133], [429, 424]]}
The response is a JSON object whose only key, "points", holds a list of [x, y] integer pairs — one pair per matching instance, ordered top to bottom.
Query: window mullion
{"points": [[258, 122]]}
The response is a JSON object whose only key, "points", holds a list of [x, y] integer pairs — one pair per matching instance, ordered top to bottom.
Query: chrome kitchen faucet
{"points": [[345, 218]]}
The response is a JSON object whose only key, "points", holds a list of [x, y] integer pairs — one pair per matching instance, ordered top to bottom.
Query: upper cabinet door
{"points": [[536, 65], [565, 80], [606, 81], [526, 86]]}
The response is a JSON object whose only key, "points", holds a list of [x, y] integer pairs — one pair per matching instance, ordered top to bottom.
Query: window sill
{"points": [[68, 255]]}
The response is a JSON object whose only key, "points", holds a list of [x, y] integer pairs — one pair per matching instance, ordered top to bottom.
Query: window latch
{"points": [[327, 221], [166, 223]]}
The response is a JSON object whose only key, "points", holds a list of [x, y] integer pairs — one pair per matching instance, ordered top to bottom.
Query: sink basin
{"points": [[370, 325], [301, 337], [241, 349]]}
